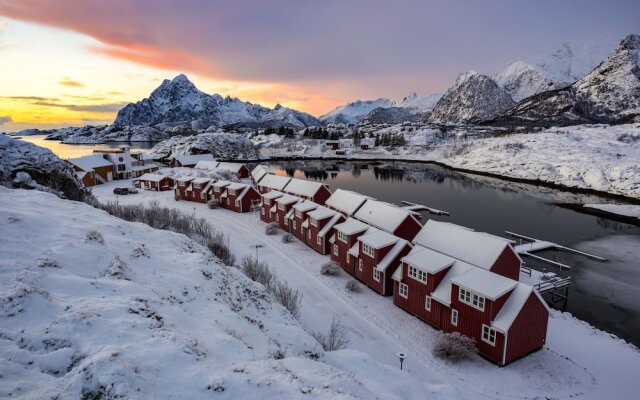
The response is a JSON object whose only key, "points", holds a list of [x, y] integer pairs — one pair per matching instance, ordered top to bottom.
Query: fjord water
{"points": [[65, 151], [604, 294]]}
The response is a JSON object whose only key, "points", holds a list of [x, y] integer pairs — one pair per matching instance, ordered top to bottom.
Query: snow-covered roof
{"points": [[189, 159], [89, 163], [206, 164], [144, 167], [233, 167], [259, 172], [80, 174], [152, 177], [184, 178], [198, 181], [275, 182], [221, 184], [237, 186], [303, 187], [274, 194], [287, 199], [346, 201], [306, 205], [322, 212], [289, 214], [382, 215], [305, 224], [351, 226], [327, 227], [377, 238], [477, 248], [355, 250], [391, 255], [428, 260], [397, 276], [484, 282], [442, 293], [513, 305]]}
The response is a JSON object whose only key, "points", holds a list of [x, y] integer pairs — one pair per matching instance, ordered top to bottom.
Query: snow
{"points": [[353, 112], [216, 145], [195, 159], [89, 163], [233, 167], [259, 172], [152, 177], [274, 182], [303, 187], [274, 194], [288, 199], [346, 201], [306, 205], [627, 210], [321, 212], [385, 216], [329, 225], [351, 226], [377, 238], [476, 248], [392, 254], [428, 260], [485, 283], [442, 293], [511, 308], [577, 361]]}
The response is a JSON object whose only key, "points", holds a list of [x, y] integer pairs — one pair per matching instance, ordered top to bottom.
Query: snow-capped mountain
{"points": [[522, 80], [609, 94], [472, 98], [178, 102], [419, 103], [352, 113], [390, 115], [223, 146]]}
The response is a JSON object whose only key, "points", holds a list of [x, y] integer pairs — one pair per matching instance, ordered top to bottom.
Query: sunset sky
{"points": [[77, 62]]}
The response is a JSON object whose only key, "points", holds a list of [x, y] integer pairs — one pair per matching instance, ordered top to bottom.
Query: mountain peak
{"points": [[631, 42], [277, 107]]}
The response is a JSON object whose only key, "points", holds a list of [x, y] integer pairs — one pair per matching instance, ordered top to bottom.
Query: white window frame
{"points": [[197, 186], [231, 192], [202, 194], [237, 203], [281, 207], [262, 211], [298, 214], [295, 225], [309, 234], [343, 237], [319, 240], [336, 250], [368, 250], [347, 256], [360, 265], [417, 274], [376, 275], [403, 290], [474, 300], [427, 303], [454, 317], [488, 335]]}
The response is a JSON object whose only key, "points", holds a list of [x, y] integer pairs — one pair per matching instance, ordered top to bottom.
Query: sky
{"points": [[68, 63]]}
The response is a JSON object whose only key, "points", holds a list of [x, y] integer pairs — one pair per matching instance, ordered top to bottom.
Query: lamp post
{"points": [[258, 246], [401, 356]]}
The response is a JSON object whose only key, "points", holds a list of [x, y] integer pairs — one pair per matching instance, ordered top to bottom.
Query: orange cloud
{"points": [[69, 82]]}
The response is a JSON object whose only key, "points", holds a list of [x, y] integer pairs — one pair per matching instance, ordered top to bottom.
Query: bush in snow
{"points": [[227, 175], [212, 204], [271, 228], [95, 236], [288, 238], [218, 244], [140, 251], [46, 262], [330, 268], [119, 269], [257, 271], [352, 286], [290, 298], [337, 337], [454, 346], [278, 354]]}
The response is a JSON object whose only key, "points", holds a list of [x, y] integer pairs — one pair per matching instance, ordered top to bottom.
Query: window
{"points": [[122, 167], [181, 184], [197, 186], [232, 192], [202, 195], [228, 201], [237, 203], [281, 206], [262, 211], [298, 214], [313, 221], [294, 225], [309, 234], [342, 236], [319, 240], [335, 249], [368, 250], [360, 265], [417, 274], [376, 275], [404, 290], [471, 298], [427, 303], [454, 317], [488, 335]]}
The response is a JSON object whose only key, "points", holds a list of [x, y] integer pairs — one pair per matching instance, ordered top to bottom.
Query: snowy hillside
{"points": [[572, 61], [522, 80], [178, 102], [419, 103], [352, 113], [108, 133], [223, 146], [108, 309]]}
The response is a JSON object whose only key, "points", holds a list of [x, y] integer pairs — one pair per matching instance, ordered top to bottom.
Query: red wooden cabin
{"points": [[332, 144], [189, 160], [238, 169], [155, 182], [272, 182], [182, 184], [197, 190], [216, 190], [309, 190], [239, 197], [346, 201], [268, 205], [284, 209], [389, 218], [298, 223], [320, 228], [345, 238]]}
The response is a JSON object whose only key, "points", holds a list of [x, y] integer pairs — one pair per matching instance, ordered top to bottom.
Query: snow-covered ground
{"points": [[598, 157], [627, 210], [92, 306], [578, 361]]}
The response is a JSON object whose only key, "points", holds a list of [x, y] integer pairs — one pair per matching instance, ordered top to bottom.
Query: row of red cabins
{"points": [[452, 277]]}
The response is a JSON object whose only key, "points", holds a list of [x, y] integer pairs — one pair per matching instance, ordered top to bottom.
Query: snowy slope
{"points": [[572, 61], [522, 80], [419, 103], [352, 113], [107, 133], [223, 146], [103, 308]]}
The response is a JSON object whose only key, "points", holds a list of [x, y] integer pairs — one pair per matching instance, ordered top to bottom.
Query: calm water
{"points": [[65, 151], [604, 294]]}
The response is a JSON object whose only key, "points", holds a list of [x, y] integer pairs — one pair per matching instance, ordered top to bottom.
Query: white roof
{"points": [[189, 159], [89, 163], [206, 164], [144, 167], [233, 167], [259, 172], [80, 174], [152, 177], [184, 178], [200, 180], [275, 182], [221, 184], [237, 186], [302, 187], [274, 194], [287, 199], [346, 201], [305, 206], [322, 212], [382, 215], [351, 226], [327, 227], [377, 238], [477, 248], [355, 250], [391, 255], [428, 260], [397, 276], [484, 282], [443, 292], [513, 305]]}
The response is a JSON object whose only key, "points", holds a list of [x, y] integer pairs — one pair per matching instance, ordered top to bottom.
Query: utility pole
{"points": [[258, 246], [401, 356]]}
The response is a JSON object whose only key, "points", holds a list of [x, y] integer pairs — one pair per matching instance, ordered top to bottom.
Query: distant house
{"points": [[332, 144], [366, 144], [189, 160], [126, 164], [206, 164], [238, 169], [92, 170], [259, 172], [155, 182], [273, 182], [182, 184], [217, 190], [309, 190], [197, 191], [239, 197], [346, 201], [268, 207], [284, 208], [390, 218], [298, 221], [320, 229], [346, 238]]}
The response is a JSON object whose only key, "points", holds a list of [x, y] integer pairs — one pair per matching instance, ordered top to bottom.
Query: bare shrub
{"points": [[629, 138], [227, 175], [212, 204], [271, 228], [94, 236], [288, 238], [140, 251], [46, 262], [330, 268], [119, 269], [258, 271], [352, 286], [290, 298], [337, 338], [454, 347], [279, 354]]}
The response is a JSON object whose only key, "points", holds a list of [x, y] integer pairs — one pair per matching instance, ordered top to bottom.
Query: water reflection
{"points": [[65, 151]]}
